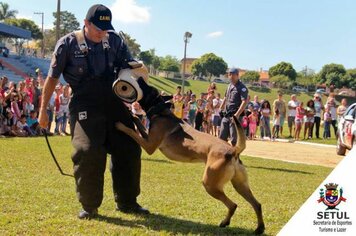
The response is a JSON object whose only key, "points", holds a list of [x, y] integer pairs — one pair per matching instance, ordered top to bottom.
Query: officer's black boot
{"points": [[134, 208], [88, 214]]}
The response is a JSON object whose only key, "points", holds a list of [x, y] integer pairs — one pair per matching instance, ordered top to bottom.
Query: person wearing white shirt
{"points": [[292, 105]]}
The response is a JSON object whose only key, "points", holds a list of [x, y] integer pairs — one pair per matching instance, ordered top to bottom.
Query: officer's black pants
{"points": [[93, 137]]}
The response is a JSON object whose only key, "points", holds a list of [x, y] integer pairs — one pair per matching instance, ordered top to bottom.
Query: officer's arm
{"points": [[58, 63], [48, 89], [244, 98], [223, 104], [241, 108]]}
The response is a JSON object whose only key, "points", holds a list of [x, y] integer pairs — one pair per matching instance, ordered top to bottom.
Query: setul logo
{"points": [[331, 196]]}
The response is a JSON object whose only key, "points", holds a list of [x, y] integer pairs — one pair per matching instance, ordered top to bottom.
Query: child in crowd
{"points": [[64, 99], [192, 104], [27, 106], [178, 106], [15, 107], [341, 109], [208, 112], [58, 113], [199, 115], [216, 115], [299, 116], [245, 119], [309, 119], [252, 120], [32, 122], [327, 122], [276, 124], [22, 128]]}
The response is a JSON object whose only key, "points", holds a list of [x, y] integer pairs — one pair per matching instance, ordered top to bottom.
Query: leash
{"points": [[53, 156]]}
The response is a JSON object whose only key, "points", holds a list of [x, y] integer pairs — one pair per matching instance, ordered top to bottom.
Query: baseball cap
{"points": [[100, 16], [233, 70]]}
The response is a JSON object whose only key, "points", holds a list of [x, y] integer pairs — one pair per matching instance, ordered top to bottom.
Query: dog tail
{"points": [[241, 138]]}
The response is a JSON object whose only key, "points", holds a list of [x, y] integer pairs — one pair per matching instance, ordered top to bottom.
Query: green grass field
{"points": [[36, 200]]}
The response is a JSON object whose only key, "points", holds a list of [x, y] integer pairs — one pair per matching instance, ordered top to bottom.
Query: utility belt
{"points": [[227, 114]]}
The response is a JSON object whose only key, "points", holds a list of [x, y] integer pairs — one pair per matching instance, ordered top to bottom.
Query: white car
{"points": [[299, 89], [346, 131]]}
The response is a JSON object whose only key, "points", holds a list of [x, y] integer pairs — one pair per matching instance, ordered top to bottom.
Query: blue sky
{"points": [[247, 34]]}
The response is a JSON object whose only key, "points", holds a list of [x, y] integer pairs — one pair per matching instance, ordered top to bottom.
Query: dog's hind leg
{"points": [[215, 176], [240, 183]]}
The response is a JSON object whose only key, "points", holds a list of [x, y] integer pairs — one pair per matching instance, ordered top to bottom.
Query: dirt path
{"points": [[323, 155]]}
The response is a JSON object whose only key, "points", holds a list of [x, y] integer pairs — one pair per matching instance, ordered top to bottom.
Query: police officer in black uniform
{"points": [[88, 60], [233, 104]]}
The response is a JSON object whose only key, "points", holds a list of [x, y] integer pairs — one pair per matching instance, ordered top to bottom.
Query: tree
{"points": [[5, 13], [68, 22], [27, 25], [50, 36], [132, 45], [146, 57], [169, 63], [209, 64], [283, 68], [332, 74], [250, 77], [306, 77], [350, 79], [280, 80], [303, 80]]}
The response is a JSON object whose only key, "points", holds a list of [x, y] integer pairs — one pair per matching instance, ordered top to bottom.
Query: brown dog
{"points": [[178, 141]]}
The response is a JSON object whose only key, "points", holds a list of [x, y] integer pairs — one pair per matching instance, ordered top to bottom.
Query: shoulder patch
{"points": [[243, 89]]}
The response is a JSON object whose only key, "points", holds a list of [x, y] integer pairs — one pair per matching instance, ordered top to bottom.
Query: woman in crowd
{"points": [[331, 105], [318, 108], [266, 112], [309, 119], [327, 122]]}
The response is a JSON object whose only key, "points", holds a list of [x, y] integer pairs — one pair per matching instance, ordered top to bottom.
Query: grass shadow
{"points": [[161, 81], [179, 81], [260, 89], [281, 170], [158, 222]]}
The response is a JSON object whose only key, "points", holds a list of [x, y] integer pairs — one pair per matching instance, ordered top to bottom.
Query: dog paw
{"points": [[120, 126], [224, 223], [260, 229]]}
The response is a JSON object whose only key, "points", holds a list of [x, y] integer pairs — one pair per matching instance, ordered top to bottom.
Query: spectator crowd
{"points": [[20, 103], [304, 120]]}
